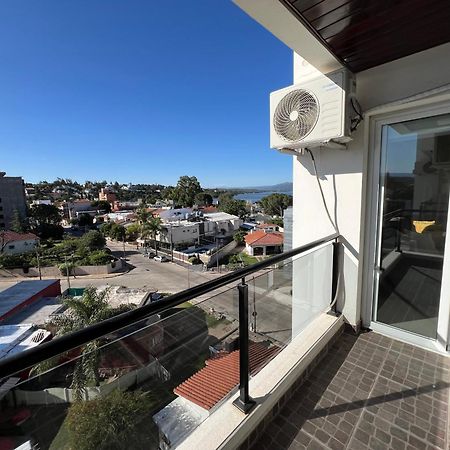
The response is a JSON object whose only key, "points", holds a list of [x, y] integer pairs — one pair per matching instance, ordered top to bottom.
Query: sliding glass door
{"points": [[414, 183]]}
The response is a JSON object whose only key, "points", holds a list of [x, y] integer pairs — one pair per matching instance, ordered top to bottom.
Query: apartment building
{"points": [[12, 198]]}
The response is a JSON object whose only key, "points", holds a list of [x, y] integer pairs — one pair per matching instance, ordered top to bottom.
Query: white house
{"points": [[12, 243]]}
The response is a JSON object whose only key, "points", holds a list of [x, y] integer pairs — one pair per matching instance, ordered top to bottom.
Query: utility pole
{"points": [[123, 239], [171, 243], [217, 253], [38, 261], [67, 271]]}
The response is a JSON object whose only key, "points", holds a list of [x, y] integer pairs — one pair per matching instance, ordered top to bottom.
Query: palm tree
{"points": [[154, 227], [91, 308]]}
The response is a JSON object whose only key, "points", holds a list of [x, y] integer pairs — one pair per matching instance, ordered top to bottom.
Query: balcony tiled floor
{"points": [[369, 392]]}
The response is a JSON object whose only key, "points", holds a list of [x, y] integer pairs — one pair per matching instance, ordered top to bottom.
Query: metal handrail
{"points": [[28, 358]]}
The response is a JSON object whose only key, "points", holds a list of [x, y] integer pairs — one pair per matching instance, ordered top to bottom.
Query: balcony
{"points": [[260, 364], [369, 392]]}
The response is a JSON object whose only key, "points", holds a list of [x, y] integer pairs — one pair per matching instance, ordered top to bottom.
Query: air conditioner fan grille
{"points": [[296, 115]]}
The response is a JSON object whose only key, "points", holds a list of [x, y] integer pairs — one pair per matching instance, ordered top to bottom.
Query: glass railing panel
{"points": [[311, 286], [270, 305], [125, 390]]}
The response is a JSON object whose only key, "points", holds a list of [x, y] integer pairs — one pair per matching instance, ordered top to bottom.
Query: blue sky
{"points": [[138, 91]]}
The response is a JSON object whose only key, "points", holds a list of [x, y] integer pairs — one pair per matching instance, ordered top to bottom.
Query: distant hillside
{"points": [[281, 187]]}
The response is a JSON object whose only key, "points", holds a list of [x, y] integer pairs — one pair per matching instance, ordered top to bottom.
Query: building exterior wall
{"points": [[342, 173], [12, 198], [17, 247]]}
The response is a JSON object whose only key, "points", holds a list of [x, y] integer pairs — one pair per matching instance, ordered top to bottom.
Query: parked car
{"points": [[160, 258]]}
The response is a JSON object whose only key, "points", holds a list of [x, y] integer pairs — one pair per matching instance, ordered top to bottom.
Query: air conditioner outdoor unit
{"points": [[314, 113]]}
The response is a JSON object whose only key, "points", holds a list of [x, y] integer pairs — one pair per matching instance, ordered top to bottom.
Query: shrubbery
{"points": [[88, 250], [195, 260], [113, 422]]}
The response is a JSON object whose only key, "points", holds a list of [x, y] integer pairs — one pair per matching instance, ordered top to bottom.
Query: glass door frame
{"points": [[372, 235]]}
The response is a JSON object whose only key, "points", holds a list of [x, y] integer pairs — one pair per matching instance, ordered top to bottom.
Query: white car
{"points": [[160, 258]]}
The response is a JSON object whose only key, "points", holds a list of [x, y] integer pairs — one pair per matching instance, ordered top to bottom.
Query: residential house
{"points": [[107, 195], [264, 242], [12, 243]]}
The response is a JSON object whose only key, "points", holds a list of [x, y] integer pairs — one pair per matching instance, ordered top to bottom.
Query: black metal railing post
{"points": [[244, 402]]}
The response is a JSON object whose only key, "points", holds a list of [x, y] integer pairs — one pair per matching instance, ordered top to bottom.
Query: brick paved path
{"points": [[369, 392]]}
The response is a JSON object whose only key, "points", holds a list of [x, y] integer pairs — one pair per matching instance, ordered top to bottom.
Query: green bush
{"points": [[93, 240], [99, 258], [195, 260], [15, 261], [66, 268], [111, 423]]}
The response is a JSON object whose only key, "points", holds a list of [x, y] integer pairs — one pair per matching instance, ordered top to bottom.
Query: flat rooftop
{"points": [[20, 293], [37, 312], [17, 338]]}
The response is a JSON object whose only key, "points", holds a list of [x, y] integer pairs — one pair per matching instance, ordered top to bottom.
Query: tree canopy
{"points": [[185, 191], [203, 199], [275, 204], [102, 205], [231, 206], [40, 214]]}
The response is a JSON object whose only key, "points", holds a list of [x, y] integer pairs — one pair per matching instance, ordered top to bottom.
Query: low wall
{"points": [[211, 260], [54, 272], [57, 395]]}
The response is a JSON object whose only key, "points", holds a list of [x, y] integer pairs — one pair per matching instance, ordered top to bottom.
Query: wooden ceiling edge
{"points": [[285, 24]]}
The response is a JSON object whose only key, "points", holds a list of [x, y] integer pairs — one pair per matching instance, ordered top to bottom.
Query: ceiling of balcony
{"points": [[367, 33]]}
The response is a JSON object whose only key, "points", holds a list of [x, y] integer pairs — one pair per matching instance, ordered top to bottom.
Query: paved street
{"points": [[146, 274], [272, 305]]}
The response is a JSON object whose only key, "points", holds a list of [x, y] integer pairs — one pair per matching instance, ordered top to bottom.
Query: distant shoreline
{"points": [[256, 196]]}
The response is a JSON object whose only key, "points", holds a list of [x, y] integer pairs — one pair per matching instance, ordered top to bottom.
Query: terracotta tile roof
{"points": [[209, 209], [11, 236], [261, 237], [212, 383]]}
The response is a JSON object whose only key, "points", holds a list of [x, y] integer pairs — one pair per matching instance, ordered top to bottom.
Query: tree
{"points": [[186, 190], [203, 199], [275, 204], [102, 205], [231, 206], [40, 214], [85, 220], [17, 223], [105, 228], [151, 228], [117, 232], [132, 232], [239, 237], [93, 240], [91, 308], [113, 422]]}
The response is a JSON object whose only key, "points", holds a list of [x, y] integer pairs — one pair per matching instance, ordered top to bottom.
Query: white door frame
{"points": [[385, 116]]}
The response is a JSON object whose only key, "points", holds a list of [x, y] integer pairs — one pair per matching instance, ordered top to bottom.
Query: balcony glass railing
{"points": [[148, 378]]}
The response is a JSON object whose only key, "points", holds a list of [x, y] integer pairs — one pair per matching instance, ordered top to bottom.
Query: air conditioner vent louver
{"points": [[296, 115]]}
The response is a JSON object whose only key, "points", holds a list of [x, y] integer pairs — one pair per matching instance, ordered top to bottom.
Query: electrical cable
{"points": [[357, 120], [321, 190], [339, 281]]}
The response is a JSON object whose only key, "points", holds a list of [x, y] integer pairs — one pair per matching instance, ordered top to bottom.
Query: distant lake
{"points": [[257, 196]]}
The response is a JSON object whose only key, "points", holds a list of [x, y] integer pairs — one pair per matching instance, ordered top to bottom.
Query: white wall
{"points": [[341, 172], [17, 247]]}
